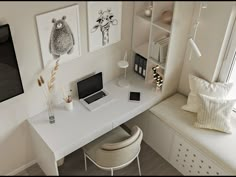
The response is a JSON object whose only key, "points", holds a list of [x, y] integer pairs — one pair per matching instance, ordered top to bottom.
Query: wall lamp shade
{"points": [[195, 47]]}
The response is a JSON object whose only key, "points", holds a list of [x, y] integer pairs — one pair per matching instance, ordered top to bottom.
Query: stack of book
{"points": [[159, 49]]}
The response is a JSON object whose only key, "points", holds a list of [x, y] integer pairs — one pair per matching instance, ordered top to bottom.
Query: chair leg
{"points": [[85, 162], [139, 169], [111, 171]]}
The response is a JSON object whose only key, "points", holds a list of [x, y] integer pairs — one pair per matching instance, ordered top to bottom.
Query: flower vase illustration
{"points": [[104, 22]]}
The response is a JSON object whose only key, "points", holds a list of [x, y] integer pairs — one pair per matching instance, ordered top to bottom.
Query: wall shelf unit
{"points": [[143, 17], [162, 26], [148, 29], [149, 32], [142, 50], [155, 62]]}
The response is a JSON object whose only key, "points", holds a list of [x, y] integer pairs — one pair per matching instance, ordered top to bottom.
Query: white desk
{"points": [[74, 129]]}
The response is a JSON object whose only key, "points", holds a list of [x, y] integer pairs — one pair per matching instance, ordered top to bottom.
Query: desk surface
{"points": [[74, 129]]}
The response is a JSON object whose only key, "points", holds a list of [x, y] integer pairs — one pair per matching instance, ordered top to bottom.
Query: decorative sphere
{"points": [[148, 12]]}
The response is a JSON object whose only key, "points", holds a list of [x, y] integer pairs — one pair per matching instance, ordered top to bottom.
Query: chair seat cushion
{"points": [[114, 136], [218, 146]]}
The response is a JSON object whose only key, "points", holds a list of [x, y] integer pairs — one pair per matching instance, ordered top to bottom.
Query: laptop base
{"points": [[95, 97], [97, 100]]}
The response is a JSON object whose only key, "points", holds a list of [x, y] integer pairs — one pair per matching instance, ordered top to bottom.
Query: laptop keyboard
{"points": [[95, 97]]}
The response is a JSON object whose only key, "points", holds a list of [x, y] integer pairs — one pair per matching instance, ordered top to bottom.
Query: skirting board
{"points": [[20, 169]]}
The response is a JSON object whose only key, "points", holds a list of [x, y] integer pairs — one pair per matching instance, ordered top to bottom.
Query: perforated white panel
{"points": [[189, 161]]}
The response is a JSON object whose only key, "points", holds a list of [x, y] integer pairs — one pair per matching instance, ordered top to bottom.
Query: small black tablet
{"points": [[134, 96]]}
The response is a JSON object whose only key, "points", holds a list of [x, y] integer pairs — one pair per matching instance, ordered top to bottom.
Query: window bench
{"points": [[169, 130]]}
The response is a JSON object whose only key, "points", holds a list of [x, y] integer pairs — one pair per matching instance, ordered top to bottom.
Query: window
{"points": [[228, 70], [232, 71], [231, 76]]}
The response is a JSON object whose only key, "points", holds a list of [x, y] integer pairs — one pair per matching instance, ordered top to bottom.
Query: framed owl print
{"points": [[104, 23], [59, 34]]}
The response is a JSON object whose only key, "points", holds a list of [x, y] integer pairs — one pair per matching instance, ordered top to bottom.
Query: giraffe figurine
{"points": [[104, 21]]}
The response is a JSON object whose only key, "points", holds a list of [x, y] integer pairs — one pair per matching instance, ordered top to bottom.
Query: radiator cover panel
{"points": [[189, 161]]}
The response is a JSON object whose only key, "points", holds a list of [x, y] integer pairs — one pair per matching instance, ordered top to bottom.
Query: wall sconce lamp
{"points": [[194, 46]]}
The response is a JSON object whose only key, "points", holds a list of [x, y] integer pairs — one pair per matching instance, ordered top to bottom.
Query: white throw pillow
{"points": [[201, 86], [214, 113]]}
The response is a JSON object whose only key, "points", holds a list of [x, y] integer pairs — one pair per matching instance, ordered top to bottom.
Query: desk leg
{"points": [[44, 156]]}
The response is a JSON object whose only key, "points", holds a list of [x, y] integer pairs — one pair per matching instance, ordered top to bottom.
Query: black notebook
{"points": [[134, 96]]}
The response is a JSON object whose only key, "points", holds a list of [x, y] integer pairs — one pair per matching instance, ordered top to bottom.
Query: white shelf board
{"points": [[142, 16], [162, 26], [142, 50], [162, 65]]}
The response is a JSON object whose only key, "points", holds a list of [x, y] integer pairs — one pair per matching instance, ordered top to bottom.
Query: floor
{"points": [[152, 164]]}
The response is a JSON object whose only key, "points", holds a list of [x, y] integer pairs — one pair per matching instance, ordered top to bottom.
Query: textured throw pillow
{"points": [[201, 86], [214, 113]]}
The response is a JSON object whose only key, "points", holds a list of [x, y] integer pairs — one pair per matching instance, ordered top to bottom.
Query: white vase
{"points": [[69, 106]]}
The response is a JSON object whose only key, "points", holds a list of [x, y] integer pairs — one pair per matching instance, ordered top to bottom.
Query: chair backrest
{"points": [[118, 154]]}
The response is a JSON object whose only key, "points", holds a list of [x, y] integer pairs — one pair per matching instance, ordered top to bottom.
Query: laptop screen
{"points": [[90, 85]]}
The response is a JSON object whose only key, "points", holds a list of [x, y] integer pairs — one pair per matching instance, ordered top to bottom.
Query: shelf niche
{"points": [[148, 29]]}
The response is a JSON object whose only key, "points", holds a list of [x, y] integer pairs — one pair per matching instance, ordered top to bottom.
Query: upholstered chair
{"points": [[115, 150]]}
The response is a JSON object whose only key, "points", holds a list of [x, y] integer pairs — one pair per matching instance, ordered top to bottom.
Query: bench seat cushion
{"points": [[219, 146]]}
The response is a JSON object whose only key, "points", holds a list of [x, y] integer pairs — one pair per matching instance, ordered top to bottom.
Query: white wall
{"points": [[210, 37], [176, 51], [15, 144]]}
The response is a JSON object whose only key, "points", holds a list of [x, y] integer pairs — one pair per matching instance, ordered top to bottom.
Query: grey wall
{"points": [[15, 145]]}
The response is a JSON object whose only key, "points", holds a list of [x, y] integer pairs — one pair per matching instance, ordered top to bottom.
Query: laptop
{"points": [[91, 93]]}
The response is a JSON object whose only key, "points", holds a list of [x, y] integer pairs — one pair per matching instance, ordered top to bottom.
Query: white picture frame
{"points": [[104, 23], [59, 34]]}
